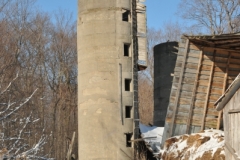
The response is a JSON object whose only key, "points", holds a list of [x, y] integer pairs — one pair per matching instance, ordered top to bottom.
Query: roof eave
{"points": [[224, 99]]}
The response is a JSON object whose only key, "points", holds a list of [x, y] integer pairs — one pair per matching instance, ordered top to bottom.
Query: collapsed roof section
{"points": [[228, 42], [205, 67], [225, 98]]}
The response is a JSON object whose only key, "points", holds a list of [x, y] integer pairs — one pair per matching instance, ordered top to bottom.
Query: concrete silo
{"points": [[107, 79]]}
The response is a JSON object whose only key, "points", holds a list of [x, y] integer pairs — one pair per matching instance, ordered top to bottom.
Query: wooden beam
{"points": [[232, 44], [222, 49], [224, 89], [208, 92], [194, 93], [233, 111], [169, 134], [141, 139], [70, 147], [231, 150]]}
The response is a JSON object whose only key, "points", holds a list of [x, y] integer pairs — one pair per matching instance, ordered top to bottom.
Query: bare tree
{"points": [[3, 4], [216, 16], [172, 31], [43, 50], [61, 69], [145, 93], [14, 127]]}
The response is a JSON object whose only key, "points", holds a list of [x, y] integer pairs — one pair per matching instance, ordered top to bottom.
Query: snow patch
{"points": [[152, 136], [208, 143]]}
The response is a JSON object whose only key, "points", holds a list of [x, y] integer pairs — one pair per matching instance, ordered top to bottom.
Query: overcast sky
{"points": [[158, 11]]}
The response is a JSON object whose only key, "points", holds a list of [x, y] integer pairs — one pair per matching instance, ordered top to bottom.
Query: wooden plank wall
{"points": [[206, 75], [231, 125]]}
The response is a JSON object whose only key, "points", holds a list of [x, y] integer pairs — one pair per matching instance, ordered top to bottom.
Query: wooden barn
{"points": [[205, 67], [229, 102]]}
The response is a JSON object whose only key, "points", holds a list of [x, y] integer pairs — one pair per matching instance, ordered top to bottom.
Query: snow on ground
{"points": [[208, 144]]}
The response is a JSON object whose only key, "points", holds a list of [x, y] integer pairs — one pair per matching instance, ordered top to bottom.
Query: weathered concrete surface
{"points": [[165, 55], [102, 125]]}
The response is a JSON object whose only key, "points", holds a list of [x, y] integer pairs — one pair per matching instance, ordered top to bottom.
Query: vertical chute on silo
{"points": [[141, 34]]}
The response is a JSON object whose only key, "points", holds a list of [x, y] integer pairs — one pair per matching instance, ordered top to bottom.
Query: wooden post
{"points": [[224, 88], [208, 92], [194, 93], [169, 134], [70, 147], [231, 150]]}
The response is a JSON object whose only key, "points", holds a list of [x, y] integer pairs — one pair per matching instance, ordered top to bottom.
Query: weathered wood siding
{"points": [[201, 76], [231, 126]]}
